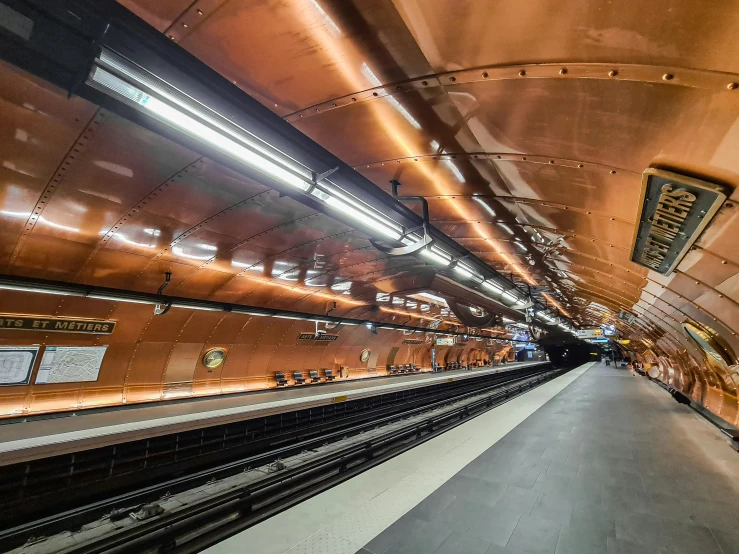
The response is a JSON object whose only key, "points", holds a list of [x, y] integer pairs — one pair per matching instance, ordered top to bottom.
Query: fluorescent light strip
{"points": [[199, 110], [194, 128], [356, 215], [435, 257], [492, 286], [22, 288], [508, 296], [115, 298], [194, 307], [288, 317], [348, 323]]}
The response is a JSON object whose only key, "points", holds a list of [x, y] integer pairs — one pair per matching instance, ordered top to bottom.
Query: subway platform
{"points": [[595, 461]]}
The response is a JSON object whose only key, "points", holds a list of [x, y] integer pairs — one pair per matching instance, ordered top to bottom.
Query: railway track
{"points": [[227, 498]]}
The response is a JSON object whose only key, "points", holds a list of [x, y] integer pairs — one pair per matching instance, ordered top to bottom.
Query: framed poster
{"points": [[16, 364], [70, 364]]}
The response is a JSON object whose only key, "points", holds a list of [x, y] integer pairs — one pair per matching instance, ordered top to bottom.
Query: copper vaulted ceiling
{"points": [[547, 112]]}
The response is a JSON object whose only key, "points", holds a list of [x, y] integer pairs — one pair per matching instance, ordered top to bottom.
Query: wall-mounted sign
{"points": [[673, 212], [627, 317], [55, 325], [589, 333], [319, 337], [413, 341], [444, 341], [364, 355], [214, 358], [16, 363], [70, 364]]}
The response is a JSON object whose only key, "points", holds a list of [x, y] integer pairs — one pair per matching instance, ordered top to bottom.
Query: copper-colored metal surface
{"points": [[543, 116]]}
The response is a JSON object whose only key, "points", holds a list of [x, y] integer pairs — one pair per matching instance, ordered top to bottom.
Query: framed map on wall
{"points": [[16, 364], [70, 364]]}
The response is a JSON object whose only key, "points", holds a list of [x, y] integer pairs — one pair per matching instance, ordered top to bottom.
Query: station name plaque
{"points": [[673, 212], [11, 322], [323, 337]]}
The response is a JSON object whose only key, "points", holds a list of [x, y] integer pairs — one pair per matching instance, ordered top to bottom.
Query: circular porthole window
{"points": [[711, 343], [365, 355], [214, 358]]}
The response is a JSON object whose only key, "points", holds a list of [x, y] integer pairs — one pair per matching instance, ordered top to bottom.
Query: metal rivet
{"points": [[200, 12], [184, 25], [171, 36], [563, 71], [522, 73], [613, 73], [485, 75], [667, 77], [452, 79], [424, 83], [732, 86], [374, 94], [354, 99], [499, 156], [524, 158], [551, 161], [580, 166], [613, 172], [587, 213], [612, 219], [723, 262]]}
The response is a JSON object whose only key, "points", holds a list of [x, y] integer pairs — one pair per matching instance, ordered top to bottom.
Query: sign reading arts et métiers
{"points": [[674, 210], [55, 325], [319, 337]]}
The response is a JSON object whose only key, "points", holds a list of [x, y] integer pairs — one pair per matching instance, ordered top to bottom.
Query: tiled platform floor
{"points": [[610, 465]]}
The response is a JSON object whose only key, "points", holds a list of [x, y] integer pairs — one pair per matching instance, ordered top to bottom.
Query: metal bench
{"points": [[329, 374], [298, 377], [314, 377], [280, 378]]}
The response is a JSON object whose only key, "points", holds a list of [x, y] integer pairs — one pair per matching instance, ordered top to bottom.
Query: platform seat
{"points": [[415, 368], [392, 370], [329, 374], [298, 377], [314, 377], [280, 378]]}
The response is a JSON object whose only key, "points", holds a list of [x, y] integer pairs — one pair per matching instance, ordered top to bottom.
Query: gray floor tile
{"points": [[517, 499], [495, 525], [641, 529], [535, 535], [684, 538], [581, 540], [729, 542], [459, 543]]}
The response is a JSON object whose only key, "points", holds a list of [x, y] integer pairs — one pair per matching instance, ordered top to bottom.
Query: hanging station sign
{"points": [[673, 212], [627, 317], [56, 325], [323, 337], [444, 341]]}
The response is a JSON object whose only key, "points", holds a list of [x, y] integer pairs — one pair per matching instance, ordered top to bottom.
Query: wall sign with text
{"points": [[673, 212], [10, 322], [323, 337]]}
